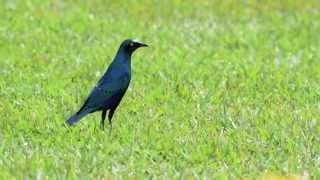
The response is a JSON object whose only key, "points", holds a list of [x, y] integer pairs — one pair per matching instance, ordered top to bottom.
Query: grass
{"points": [[228, 89]]}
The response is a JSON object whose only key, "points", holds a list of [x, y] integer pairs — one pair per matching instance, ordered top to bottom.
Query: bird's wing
{"points": [[106, 92]]}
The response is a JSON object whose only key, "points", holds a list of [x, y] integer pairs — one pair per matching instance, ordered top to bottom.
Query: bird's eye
{"points": [[131, 44]]}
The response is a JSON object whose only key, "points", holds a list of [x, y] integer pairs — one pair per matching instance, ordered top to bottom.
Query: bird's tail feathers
{"points": [[76, 117]]}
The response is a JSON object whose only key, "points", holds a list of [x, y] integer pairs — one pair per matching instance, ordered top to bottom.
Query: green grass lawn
{"points": [[227, 89]]}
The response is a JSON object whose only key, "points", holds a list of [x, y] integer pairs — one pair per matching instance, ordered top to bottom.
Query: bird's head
{"points": [[130, 45]]}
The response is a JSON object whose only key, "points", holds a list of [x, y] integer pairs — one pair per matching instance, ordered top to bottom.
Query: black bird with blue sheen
{"points": [[110, 89]]}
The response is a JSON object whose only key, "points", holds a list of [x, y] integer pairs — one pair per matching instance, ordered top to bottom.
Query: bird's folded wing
{"points": [[105, 90]]}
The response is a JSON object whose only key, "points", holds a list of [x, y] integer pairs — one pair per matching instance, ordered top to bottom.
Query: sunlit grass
{"points": [[226, 90]]}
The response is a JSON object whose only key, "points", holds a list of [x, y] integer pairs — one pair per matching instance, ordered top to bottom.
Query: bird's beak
{"points": [[142, 45]]}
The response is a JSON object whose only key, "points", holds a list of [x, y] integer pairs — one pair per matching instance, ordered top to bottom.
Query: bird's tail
{"points": [[76, 117]]}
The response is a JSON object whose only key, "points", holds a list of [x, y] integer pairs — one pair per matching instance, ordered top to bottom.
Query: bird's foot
{"points": [[102, 126]]}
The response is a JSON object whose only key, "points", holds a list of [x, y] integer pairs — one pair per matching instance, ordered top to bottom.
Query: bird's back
{"points": [[111, 87]]}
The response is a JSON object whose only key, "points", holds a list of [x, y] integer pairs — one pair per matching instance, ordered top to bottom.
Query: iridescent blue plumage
{"points": [[110, 89]]}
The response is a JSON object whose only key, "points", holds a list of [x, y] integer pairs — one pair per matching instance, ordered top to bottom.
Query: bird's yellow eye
{"points": [[131, 44]]}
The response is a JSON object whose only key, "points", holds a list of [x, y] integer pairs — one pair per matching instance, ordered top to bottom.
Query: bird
{"points": [[112, 86]]}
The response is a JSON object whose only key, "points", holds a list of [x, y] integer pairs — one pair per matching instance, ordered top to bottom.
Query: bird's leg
{"points": [[111, 112], [103, 117]]}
